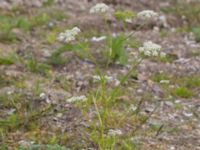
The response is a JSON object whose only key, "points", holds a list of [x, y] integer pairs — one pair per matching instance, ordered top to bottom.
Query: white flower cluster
{"points": [[99, 8], [147, 14], [128, 20], [69, 35], [151, 49], [97, 78], [109, 79], [73, 99], [133, 108], [115, 132], [26, 143]]}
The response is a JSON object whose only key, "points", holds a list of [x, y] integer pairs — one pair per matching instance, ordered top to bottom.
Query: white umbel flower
{"points": [[99, 8], [147, 14], [128, 20], [69, 35], [151, 49], [97, 78], [109, 79], [73, 99], [133, 108], [114, 132]]}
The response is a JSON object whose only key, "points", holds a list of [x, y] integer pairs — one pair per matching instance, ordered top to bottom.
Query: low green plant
{"points": [[48, 3], [190, 12], [44, 18], [39, 20], [10, 21], [22, 23], [196, 32], [8, 36], [51, 37], [117, 49], [57, 59], [8, 60], [34, 66], [160, 76], [5, 80], [192, 82], [182, 92], [110, 116], [10, 122], [42, 146]]}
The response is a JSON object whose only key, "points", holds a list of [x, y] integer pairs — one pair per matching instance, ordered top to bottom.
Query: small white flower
{"points": [[99, 8], [147, 14], [128, 20], [75, 30], [69, 35], [98, 39], [151, 46], [141, 49], [150, 49], [147, 53], [154, 53], [97, 78], [109, 79], [117, 82], [10, 92], [44, 96], [73, 99], [133, 108], [114, 132], [136, 140], [26, 144], [172, 148]]}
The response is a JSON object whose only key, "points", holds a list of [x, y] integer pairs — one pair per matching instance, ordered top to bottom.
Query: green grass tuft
{"points": [[116, 49], [6, 61], [34, 66], [182, 92]]}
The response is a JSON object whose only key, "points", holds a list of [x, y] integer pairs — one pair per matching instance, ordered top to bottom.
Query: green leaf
{"points": [[117, 47]]}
